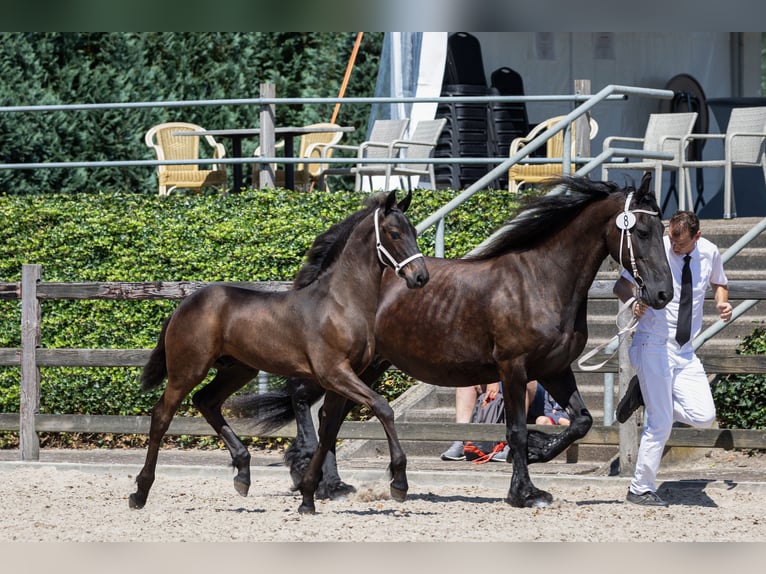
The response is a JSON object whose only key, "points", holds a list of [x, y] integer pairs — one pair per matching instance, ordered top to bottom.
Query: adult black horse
{"points": [[514, 310], [322, 330]]}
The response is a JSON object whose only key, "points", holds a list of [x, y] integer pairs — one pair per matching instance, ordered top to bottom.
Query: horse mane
{"points": [[540, 217], [328, 246]]}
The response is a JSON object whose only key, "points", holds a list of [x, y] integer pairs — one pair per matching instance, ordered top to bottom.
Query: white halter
{"points": [[625, 221], [383, 252]]}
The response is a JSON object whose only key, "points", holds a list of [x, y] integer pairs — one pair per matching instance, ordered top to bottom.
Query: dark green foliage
{"points": [[85, 68], [249, 236], [740, 400]]}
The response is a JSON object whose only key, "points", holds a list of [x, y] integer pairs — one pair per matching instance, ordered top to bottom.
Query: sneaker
{"points": [[631, 401], [454, 452], [501, 456], [647, 498]]}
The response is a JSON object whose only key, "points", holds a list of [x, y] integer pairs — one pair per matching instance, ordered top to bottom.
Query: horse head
{"points": [[396, 241], [636, 242]]}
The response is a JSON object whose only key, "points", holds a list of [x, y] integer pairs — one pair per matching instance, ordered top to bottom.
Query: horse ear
{"points": [[646, 181], [390, 201], [405, 203]]}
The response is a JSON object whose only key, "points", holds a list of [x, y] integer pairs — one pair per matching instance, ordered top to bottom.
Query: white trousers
{"points": [[675, 389]]}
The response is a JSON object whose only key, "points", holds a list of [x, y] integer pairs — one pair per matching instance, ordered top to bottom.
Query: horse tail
{"points": [[156, 369], [274, 409], [271, 410]]}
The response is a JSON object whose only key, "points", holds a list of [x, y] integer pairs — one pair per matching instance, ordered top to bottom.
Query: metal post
{"points": [[582, 123], [268, 146], [439, 244], [263, 382], [629, 430]]}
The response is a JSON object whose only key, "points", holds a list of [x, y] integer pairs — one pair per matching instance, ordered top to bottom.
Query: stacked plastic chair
{"points": [[508, 120], [476, 129], [467, 132]]}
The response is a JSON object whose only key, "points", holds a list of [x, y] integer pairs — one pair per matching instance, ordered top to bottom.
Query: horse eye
{"points": [[395, 235]]}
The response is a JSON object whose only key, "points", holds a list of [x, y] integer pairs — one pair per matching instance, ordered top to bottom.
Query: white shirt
{"points": [[707, 269]]}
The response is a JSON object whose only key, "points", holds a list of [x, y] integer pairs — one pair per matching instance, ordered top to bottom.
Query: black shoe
{"points": [[631, 401], [647, 498]]}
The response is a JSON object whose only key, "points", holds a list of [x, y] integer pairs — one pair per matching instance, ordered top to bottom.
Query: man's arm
{"points": [[721, 296]]}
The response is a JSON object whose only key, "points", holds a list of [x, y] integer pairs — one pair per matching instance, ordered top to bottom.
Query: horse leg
{"points": [[230, 378], [355, 390], [305, 392], [162, 415], [330, 421], [546, 446], [522, 493]]}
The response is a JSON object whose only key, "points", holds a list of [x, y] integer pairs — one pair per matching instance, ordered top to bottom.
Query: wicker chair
{"points": [[664, 133], [743, 146], [519, 173], [186, 176]]}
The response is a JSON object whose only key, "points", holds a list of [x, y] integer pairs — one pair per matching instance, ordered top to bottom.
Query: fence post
{"points": [[582, 124], [268, 149], [30, 372], [629, 430]]}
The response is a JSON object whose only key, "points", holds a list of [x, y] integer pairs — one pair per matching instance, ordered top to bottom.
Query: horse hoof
{"points": [[242, 488], [335, 491], [398, 494], [538, 499], [135, 502], [538, 504], [306, 509]]}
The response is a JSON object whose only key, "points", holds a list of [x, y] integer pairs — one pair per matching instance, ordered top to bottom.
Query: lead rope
{"points": [[625, 221], [382, 251]]}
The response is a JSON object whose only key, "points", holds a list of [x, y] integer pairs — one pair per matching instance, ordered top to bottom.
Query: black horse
{"points": [[515, 310], [323, 329]]}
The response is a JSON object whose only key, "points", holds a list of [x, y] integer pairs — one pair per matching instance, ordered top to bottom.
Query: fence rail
{"points": [[30, 357]]}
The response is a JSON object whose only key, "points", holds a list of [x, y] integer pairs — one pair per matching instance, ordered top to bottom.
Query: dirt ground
{"points": [[45, 503]]}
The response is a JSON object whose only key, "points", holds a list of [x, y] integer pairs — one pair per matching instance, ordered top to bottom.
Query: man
{"points": [[670, 382]]}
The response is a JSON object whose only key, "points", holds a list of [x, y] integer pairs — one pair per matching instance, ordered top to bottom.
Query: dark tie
{"points": [[684, 327]]}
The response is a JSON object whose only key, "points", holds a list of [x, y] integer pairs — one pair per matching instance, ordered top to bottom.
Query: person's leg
{"points": [[651, 364], [531, 393], [692, 398], [465, 401], [535, 401], [543, 420]]}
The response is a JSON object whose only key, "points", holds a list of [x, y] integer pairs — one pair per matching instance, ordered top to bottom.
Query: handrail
{"points": [[265, 101], [301, 101], [536, 143]]}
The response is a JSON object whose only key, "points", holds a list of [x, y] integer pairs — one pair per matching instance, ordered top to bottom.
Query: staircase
{"points": [[429, 403]]}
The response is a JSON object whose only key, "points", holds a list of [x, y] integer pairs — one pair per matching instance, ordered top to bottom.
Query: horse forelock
{"points": [[543, 216], [328, 246]]}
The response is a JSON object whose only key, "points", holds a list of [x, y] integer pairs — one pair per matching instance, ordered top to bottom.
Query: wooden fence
{"points": [[30, 357]]}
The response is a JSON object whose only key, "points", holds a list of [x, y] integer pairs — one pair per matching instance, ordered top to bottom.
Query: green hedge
{"points": [[250, 236], [740, 400]]}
